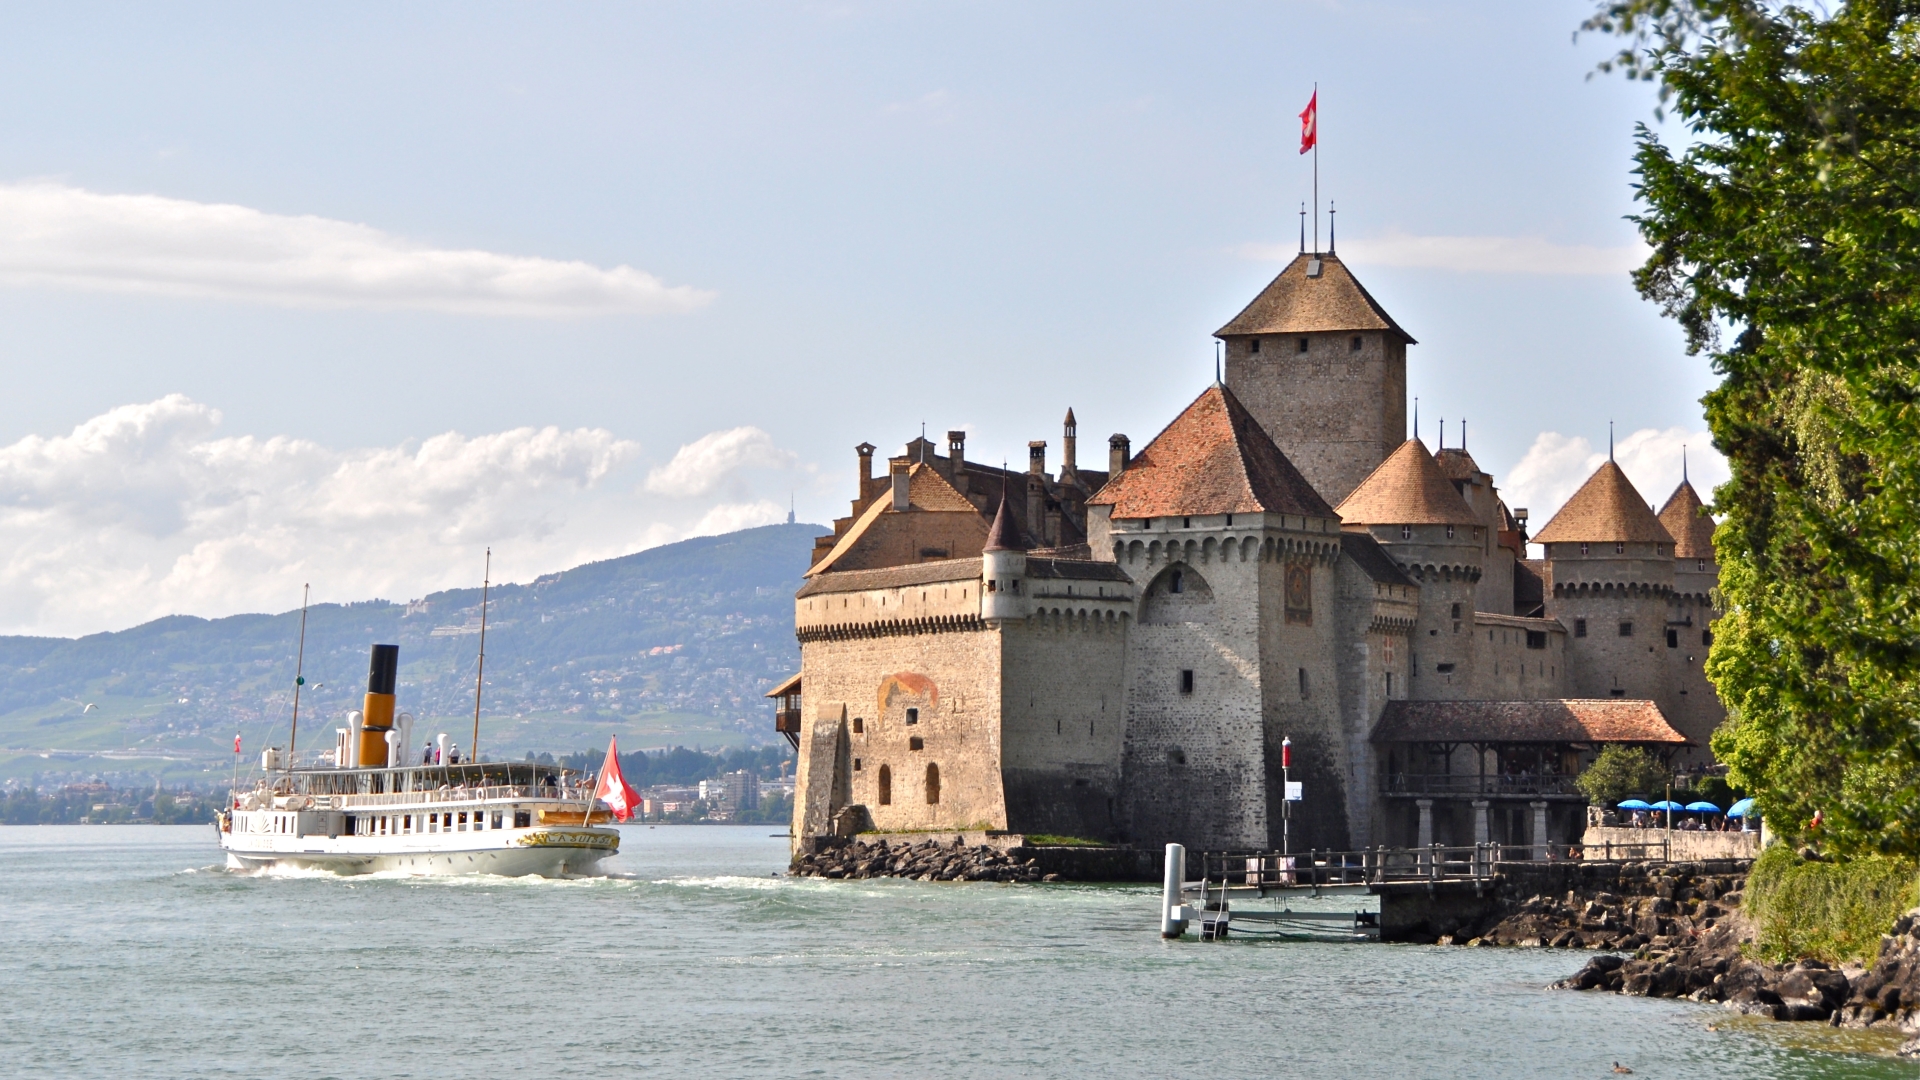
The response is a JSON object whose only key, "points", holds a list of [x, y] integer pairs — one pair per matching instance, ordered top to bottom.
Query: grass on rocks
{"points": [[1831, 911]]}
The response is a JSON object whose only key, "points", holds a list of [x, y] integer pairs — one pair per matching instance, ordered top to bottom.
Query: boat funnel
{"points": [[383, 671]]}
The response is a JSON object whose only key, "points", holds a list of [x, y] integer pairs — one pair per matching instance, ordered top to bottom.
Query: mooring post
{"points": [[1170, 900]]}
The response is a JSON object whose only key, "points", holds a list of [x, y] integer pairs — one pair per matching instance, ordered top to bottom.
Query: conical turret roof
{"points": [[1294, 303], [1213, 459], [1408, 488], [1606, 509], [1686, 519], [1004, 535]]}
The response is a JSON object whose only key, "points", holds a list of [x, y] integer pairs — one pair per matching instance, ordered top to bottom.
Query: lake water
{"points": [[128, 952]]}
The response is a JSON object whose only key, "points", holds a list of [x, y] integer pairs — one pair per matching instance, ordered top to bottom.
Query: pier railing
{"points": [[1475, 784], [1369, 866]]}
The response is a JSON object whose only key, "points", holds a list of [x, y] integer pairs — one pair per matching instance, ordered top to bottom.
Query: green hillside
{"points": [[671, 646]]}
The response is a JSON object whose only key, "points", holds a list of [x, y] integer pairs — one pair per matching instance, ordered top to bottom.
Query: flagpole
{"points": [[1316, 170], [480, 673], [299, 677]]}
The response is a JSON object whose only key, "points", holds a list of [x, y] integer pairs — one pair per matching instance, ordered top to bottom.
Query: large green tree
{"points": [[1786, 242]]}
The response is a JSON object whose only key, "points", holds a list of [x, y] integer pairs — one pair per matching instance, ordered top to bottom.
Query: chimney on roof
{"points": [[1069, 440], [865, 450], [1119, 453], [1037, 457], [957, 459], [900, 480]]}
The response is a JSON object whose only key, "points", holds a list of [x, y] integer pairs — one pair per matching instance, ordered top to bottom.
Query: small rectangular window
{"points": [[1303, 344], [1354, 344], [1253, 345], [1406, 532], [1619, 548], [1456, 611], [1579, 628], [1626, 629], [1706, 637], [1536, 639], [1673, 639], [1444, 669], [1186, 680], [1304, 692], [1619, 693], [913, 716], [859, 725], [916, 743], [856, 764], [496, 818], [522, 819]]}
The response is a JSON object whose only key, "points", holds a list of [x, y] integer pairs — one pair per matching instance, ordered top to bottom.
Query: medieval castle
{"points": [[1121, 654]]}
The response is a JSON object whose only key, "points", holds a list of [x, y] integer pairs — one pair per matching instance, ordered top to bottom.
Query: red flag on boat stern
{"points": [[1310, 123], [236, 744], [612, 788]]}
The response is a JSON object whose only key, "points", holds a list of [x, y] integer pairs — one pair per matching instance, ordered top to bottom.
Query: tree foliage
{"points": [[1786, 243], [1620, 772]]}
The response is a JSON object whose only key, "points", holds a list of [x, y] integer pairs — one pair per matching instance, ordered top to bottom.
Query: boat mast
{"points": [[480, 672], [299, 676]]}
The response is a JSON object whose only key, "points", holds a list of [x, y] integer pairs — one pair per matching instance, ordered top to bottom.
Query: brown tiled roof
{"points": [[1297, 304], [1213, 459], [1456, 464], [1407, 489], [927, 490], [1607, 508], [1685, 517], [1365, 551], [891, 577], [790, 686], [1565, 720]]}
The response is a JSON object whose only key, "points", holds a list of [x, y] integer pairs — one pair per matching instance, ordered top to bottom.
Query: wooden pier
{"points": [[1256, 892]]}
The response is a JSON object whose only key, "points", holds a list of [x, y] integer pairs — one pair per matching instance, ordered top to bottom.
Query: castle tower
{"points": [[1323, 368], [1413, 510], [1003, 565], [1610, 582], [1697, 710]]}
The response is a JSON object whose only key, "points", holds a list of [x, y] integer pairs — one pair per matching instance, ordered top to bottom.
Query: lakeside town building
{"points": [[1121, 654]]}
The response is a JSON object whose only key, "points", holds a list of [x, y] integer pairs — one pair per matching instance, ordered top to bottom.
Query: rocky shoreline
{"points": [[924, 860], [1710, 964]]}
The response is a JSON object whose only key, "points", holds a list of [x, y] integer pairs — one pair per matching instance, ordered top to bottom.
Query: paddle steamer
{"points": [[363, 809]]}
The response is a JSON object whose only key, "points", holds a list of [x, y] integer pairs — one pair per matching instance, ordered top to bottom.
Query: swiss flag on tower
{"points": [[1310, 122], [612, 788]]}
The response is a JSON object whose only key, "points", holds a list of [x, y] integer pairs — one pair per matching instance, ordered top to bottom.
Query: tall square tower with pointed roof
{"points": [[1323, 368]]}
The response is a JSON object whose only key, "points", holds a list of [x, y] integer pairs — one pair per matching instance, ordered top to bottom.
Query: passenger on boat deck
{"points": [[453, 755], [426, 756]]}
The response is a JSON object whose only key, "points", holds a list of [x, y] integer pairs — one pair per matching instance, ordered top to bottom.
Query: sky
{"points": [[347, 295]]}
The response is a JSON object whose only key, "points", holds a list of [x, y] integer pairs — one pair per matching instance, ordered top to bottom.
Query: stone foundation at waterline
{"points": [[926, 860]]}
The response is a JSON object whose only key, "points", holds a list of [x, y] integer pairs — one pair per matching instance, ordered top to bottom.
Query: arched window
{"points": [[1176, 583], [933, 785], [886, 786]]}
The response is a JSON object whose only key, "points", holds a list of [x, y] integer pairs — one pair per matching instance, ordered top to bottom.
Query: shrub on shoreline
{"points": [[1831, 911]]}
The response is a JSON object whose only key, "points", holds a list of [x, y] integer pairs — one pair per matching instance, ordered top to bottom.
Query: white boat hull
{"points": [[568, 853]]}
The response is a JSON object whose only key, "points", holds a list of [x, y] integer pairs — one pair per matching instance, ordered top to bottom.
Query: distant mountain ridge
{"points": [[699, 628]]}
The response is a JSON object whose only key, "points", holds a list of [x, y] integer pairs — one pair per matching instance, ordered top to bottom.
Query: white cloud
{"points": [[55, 235], [1475, 254], [711, 460], [1556, 465], [148, 510]]}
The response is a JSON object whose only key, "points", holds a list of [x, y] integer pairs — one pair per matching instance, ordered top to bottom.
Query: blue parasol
{"points": [[1635, 804], [1667, 804], [1703, 808], [1741, 809]]}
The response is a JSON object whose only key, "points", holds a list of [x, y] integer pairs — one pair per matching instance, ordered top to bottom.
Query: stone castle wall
{"points": [[1336, 412]]}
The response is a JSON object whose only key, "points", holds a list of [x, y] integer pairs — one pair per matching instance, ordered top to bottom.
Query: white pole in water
{"points": [[1171, 927]]}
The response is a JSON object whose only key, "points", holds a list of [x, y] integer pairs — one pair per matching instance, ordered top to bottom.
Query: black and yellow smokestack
{"points": [[377, 715]]}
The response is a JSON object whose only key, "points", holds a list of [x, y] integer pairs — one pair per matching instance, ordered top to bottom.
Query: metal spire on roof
{"points": [[1330, 213], [1303, 228], [1217, 347], [1416, 417], [1443, 433], [1463, 433], [1609, 440], [1683, 463]]}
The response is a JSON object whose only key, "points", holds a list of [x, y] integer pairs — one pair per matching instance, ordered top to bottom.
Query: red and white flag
{"points": [[1310, 122], [236, 743], [612, 788]]}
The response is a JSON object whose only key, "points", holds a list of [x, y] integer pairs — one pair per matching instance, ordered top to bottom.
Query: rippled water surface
{"points": [[129, 953]]}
